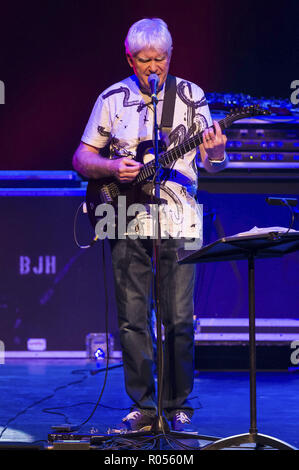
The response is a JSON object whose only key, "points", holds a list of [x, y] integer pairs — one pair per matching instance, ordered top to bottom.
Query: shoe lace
{"points": [[132, 415], [182, 417]]}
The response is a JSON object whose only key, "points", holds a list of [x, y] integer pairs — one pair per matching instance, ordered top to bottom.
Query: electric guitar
{"points": [[107, 190]]}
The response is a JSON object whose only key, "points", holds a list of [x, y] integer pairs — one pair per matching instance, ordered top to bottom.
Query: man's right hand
{"points": [[89, 163], [125, 169]]}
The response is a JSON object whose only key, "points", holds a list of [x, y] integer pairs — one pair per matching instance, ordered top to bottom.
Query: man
{"points": [[123, 118]]}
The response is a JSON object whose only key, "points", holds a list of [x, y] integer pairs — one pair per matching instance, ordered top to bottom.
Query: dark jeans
{"points": [[133, 281]]}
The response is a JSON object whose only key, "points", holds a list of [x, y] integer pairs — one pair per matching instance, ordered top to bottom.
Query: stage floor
{"points": [[39, 393]]}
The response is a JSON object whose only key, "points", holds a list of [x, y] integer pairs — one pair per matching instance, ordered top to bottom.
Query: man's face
{"points": [[148, 61]]}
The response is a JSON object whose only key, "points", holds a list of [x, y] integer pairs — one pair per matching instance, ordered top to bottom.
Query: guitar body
{"points": [[107, 190]]}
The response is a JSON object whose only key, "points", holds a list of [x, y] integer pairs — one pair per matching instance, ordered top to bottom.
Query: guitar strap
{"points": [[168, 105]]}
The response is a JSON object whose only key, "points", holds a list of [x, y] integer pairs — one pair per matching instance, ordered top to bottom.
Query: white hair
{"points": [[148, 33]]}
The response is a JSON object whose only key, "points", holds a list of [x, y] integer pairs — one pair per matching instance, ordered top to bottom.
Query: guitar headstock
{"points": [[248, 111]]}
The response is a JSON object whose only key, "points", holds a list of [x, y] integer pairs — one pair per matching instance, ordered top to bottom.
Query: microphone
{"points": [[153, 81]]}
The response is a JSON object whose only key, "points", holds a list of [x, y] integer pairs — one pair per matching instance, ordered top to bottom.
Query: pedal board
{"points": [[69, 441], [73, 441]]}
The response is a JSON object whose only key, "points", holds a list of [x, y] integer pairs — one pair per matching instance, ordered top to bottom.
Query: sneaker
{"points": [[137, 421], [181, 422]]}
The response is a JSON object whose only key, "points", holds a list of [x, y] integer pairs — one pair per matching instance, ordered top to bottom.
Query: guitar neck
{"points": [[170, 156]]}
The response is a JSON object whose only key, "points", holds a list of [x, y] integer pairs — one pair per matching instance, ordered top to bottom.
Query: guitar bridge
{"points": [[109, 192], [105, 195]]}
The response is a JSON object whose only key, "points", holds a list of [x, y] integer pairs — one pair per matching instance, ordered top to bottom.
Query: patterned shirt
{"points": [[123, 116]]}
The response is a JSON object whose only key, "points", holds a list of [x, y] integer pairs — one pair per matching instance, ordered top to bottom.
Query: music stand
{"points": [[250, 247]]}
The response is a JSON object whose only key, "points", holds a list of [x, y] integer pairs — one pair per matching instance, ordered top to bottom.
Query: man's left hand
{"points": [[214, 142]]}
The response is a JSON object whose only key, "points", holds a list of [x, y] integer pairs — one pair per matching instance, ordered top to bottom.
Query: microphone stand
{"points": [[160, 424], [160, 427]]}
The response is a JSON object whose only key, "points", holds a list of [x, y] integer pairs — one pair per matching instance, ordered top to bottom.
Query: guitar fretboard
{"points": [[170, 156]]}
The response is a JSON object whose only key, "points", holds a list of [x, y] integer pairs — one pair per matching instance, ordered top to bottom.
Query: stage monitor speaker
{"points": [[50, 289]]}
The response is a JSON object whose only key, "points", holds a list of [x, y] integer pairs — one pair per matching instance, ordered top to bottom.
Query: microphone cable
{"points": [[95, 238]]}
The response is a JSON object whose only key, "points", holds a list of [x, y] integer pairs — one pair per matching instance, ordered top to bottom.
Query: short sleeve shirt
{"points": [[123, 117]]}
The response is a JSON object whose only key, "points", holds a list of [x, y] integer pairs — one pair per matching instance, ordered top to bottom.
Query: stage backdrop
{"points": [[57, 56]]}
